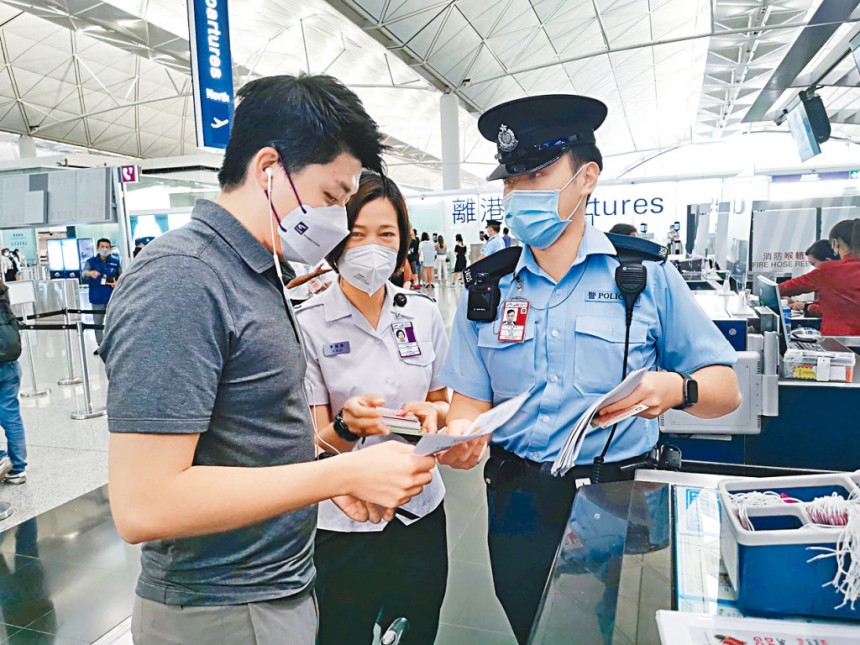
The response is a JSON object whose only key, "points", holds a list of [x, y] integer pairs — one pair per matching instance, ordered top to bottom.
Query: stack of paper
{"points": [[401, 422], [567, 457]]}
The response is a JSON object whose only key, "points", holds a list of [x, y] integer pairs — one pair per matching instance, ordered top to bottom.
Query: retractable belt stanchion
{"points": [[70, 365], [33, 392], [89, 412], [5, 510]]}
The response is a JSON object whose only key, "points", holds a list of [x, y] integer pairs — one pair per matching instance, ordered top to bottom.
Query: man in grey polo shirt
{"points": [[211, 452]]}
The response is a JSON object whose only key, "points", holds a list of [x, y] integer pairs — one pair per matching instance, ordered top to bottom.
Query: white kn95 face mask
{"points": [[367, 267]]}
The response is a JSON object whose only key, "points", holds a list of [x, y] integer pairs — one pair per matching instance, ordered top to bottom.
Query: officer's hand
{"points": [[94, 274], [796, 306], [660, 391], [427, 413], [362, 415], [467, 454], [387, 474], [361, 511]]}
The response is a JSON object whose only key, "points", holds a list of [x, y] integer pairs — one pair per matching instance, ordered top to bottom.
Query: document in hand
{"points": [[488, 422], [570, 451]]}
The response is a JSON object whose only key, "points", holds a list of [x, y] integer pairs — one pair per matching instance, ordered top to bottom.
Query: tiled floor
{"points": [[66, 458], [65, 575]]}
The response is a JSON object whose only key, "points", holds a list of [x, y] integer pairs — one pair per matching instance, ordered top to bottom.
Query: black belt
{"points": [[506, 470]]}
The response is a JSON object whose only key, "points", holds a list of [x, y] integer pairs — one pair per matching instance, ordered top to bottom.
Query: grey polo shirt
{"points": [[199, 340]]}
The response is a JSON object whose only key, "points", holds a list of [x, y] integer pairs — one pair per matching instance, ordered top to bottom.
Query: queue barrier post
{"points": [[70, 365], [34, 391], [88, 412]]}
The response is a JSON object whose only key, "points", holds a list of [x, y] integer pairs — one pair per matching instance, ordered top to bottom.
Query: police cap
{"points": [[533, 132]]}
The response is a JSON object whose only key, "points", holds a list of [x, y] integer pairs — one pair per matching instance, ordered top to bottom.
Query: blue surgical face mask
{"points": [[532, 215]]}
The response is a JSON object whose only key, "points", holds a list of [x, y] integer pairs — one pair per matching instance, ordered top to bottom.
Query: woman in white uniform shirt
{"points": [[357, 362]]}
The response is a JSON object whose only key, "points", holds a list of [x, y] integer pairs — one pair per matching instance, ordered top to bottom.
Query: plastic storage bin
{"points": [[769, 567]]}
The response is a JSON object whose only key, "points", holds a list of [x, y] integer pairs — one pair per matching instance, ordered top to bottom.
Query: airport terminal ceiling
{"points": [[113, 75]]}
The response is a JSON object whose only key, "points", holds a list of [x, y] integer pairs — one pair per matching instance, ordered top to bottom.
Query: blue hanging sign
{"points": [[212, 71]]}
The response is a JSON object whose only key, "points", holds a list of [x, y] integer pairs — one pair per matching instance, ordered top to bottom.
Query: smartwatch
{"points": [[691, 392], [342, 430]]}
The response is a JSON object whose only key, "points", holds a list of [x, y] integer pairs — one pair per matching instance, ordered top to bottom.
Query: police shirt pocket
{"points": [[599, 352], [425, 358], [511, 366]]}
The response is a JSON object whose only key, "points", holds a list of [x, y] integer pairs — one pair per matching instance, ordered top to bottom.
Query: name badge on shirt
{"points": [[606, 296], [515, 313], [404, 336], [335, 349]]}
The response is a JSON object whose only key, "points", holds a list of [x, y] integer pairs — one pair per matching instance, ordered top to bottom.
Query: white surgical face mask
{"points": [[533, 214], [308, 233], [104, 252], [367, 267]]}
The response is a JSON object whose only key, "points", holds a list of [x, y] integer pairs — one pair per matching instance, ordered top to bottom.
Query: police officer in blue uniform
{"points": [[495, 242], [101, 271], [570, 344]]}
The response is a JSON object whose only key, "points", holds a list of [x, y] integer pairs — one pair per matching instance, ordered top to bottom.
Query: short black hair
{"points": [[308, 119], [583, 153], [373, 186], [493, 225], [623, 229], [505, 230], [425, 236], [105, 240], [821, 251]]}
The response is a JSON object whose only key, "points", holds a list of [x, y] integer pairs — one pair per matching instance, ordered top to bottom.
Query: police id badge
{"points": [[515, 313], [404, 336]]}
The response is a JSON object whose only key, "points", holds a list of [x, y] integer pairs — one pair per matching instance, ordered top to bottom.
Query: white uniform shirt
{"points": [[373, 366]]}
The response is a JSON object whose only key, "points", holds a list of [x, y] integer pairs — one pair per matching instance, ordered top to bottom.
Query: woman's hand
{"points": [[427, 413], [363, 416]]}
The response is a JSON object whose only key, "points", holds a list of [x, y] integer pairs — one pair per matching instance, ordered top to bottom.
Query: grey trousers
{"points": [[99, 319], [276, 622]]}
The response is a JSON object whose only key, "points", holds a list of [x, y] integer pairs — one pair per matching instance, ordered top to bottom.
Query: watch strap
{"points": [[690, 392], [342, 430]]}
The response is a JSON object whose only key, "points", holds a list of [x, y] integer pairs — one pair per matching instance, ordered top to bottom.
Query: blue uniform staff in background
{"points": [[495, 242], [101, 271], [570, 349]]}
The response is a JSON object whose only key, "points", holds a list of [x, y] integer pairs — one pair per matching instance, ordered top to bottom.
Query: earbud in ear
{"points": [[269, 171]]}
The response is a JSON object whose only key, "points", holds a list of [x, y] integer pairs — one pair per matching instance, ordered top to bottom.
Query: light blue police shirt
{"points": [[494, 244], [574, 350]]}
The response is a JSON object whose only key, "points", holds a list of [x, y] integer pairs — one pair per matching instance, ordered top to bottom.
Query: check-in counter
{"points": [[814, 424]]}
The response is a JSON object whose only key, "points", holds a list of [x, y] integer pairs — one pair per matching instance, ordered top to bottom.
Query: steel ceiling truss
{"points": [[743, 51], [489, 52], [91, 75], [122, 84]]}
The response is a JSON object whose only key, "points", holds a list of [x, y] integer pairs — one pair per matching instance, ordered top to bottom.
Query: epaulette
{"points": [[637, 249], [493, 266], [415, 293], [310, 303]]}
